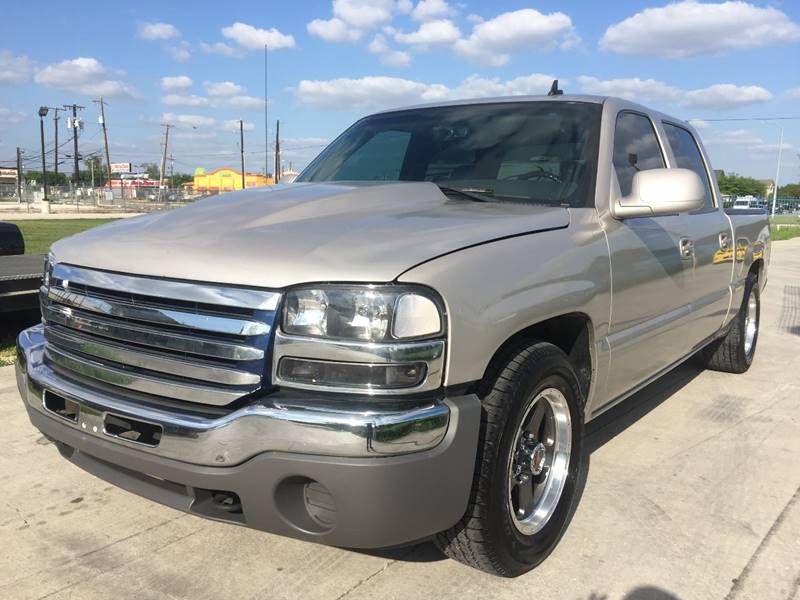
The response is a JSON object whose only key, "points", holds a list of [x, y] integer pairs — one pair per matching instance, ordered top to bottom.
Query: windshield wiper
{"points": [[476, 195]]}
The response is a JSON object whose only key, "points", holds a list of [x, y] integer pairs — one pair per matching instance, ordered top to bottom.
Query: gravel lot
{"points": [[693, 492]]}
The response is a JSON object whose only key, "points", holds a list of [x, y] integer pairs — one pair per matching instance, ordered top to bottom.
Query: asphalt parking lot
{"points": [[693, 492]]}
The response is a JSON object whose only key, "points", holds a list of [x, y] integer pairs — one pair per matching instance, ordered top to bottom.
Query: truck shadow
{"points": [[616, 420], [599, 432]]}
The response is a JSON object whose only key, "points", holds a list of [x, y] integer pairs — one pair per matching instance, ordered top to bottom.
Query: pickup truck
{"points": [[407, 343]]}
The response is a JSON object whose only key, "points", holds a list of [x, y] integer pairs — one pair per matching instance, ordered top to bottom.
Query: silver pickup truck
{"points": [[408, 342]]}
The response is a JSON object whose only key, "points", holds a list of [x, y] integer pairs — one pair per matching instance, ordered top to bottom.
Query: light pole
{"points": [[43, 110], [777, 173]]}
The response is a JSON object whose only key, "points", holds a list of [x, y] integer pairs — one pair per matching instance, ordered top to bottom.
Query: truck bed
{"points": [[20, 277]]}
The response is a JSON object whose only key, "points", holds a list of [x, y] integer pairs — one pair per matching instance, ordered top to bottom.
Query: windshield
{"points": [[537, 152]]}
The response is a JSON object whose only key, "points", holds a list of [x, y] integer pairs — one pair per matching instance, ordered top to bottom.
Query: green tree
{"points": [[152, 169], [100, 175], [178, 179], [737, 185], [790, 190]]}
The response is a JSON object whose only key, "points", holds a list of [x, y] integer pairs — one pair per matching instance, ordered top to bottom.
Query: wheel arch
{"points": [[571, 332]]}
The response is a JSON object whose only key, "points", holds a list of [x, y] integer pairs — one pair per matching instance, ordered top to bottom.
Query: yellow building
{"points": [[226, 180]]}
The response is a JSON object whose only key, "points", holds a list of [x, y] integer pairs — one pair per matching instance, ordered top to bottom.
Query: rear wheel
{"points": [[734, 352], [528, 468]]}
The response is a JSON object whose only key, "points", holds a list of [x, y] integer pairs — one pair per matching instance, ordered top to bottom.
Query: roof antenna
{"points": [[554, 91]]}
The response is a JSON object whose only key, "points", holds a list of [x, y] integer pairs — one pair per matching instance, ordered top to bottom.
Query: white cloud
{"points": [[425, 10], [364, 14], [353, 18], [692, 28], [333, 30], [158, 31], [442, 31], [253, 38], [492, 41], [221, 48], [181, 52], [388, 56], [14, 70], [85, 76], [179, 82], [527, 85], [223, 88], [640, 90], [370, 93], [794, 93], [723, 96], [184, 100], [245, 102], [8, 115], [188, 120], [699, 124], [233, 125], [743, 138]]}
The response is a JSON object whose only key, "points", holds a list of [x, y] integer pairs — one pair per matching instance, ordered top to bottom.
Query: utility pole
{"points": [[75, 108], [42, 114], [266, 118], [166, 127], [105, 136], [241, 149], [278, 151], [55, 152], [777, 173], [19, 176]]}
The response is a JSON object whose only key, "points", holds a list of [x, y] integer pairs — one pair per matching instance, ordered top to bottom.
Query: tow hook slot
{"points": [[58, 405], [132, 430]]}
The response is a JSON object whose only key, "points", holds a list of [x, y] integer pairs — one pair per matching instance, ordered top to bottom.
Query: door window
{"points": [[636, 148], [687, 156]]}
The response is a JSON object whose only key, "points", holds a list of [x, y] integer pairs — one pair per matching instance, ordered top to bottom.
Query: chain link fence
{"points": [[94, 200]]}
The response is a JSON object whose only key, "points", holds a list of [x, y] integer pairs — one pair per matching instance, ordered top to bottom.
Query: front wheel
{"points": [[529, 465]]}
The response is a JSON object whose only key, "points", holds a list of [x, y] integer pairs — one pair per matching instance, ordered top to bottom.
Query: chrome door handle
{"points": [[724, 241], [686, 246]]}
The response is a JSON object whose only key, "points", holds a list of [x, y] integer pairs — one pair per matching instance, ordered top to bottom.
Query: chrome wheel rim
{"points": [[750, 324], [539, 462]]}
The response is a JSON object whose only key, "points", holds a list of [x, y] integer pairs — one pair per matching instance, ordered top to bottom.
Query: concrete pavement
{"points": [[693, 492]]}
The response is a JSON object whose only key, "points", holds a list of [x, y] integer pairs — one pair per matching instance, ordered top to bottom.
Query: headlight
{"points": [[362, 313], [362, 339]]}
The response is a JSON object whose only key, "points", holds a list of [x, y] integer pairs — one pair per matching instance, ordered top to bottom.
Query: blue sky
{"points": [[201, 69]]}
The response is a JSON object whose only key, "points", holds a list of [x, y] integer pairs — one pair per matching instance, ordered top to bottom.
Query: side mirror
{"points": [[661, 192]]}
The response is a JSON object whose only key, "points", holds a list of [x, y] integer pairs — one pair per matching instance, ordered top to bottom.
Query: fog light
{"points": [[354, 375]]}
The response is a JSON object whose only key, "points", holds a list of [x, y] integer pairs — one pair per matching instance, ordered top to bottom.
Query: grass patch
{"points": [[785, 220], [785, 233], [40, 234], [7, 351]]}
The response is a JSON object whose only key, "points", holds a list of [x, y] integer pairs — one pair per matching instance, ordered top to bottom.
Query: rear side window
{"points": [[635, 148], [687, 156]]}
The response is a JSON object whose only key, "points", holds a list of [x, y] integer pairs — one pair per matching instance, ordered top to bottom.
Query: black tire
{"points": [[730, 354], [486, 538]]}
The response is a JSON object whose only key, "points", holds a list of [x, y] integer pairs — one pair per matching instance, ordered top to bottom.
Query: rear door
{"points": [[710, 232], [650, 305]]}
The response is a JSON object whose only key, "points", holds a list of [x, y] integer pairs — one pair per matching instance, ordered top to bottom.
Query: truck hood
{"points": [[300, 233]]}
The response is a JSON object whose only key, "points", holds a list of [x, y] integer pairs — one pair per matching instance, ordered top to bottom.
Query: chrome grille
{"points": [[183, 341]]}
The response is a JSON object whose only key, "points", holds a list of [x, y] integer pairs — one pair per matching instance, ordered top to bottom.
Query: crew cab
{"points": [[408, 342]]}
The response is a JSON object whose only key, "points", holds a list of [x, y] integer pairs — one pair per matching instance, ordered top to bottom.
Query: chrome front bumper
{"points": [[268, 425]]}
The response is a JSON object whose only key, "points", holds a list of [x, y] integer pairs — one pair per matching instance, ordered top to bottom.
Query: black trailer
{"points": [[20, 274]]}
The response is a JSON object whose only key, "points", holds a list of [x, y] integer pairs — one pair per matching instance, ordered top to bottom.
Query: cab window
{"points": [[687, 156]]}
